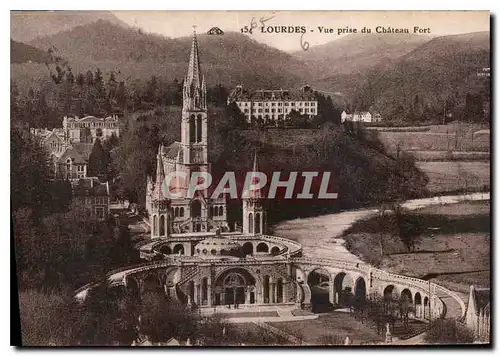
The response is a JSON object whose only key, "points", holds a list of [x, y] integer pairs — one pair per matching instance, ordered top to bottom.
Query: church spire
{"points": [[193, 75], [160, 177]]}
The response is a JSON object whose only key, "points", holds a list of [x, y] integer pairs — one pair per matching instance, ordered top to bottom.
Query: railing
{"points": [[363, 268]]}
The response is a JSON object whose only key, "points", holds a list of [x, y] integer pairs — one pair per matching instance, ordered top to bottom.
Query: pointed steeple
{"points": [[193, 75], [255, 168], [160, 177], [254, 193]]}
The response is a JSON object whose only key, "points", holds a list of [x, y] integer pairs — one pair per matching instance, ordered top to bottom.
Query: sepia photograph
{"points": [[202, 179]]}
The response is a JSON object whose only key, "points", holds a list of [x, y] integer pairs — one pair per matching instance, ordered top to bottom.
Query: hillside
{"points": [[28, 25], [358, 52], [23, 53], [229, 59], [443, 69]]}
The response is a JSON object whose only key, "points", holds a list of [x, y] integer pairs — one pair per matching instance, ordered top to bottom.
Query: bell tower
{"points": [[194, 115], [254, 217]]}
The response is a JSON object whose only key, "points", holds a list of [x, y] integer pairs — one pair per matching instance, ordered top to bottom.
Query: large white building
{"points": [[274, 105], [360, 116]]}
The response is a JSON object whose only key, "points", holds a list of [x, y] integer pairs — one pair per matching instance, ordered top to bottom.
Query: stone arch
{"points": [[250, 223], [257, 223], [162, 225], [262, 247], [178, 248], [247, 248], [166, 250], [275, 251], [319, 281], [151, 283], [236, 285], [133, 287], [343, 288], [360, 289], [390, 292], [406, 293], [418, 305], [426, 307]]}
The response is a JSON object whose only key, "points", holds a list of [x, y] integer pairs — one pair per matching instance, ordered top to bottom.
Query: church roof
{"points": [[272, 95], [173, 151], [479, 299]]}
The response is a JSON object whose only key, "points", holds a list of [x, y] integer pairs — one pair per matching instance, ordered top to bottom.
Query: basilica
{"points": [[195, 258]]}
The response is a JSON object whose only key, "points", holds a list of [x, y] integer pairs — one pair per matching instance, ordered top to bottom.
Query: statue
{"points": [[388, 335], [347, 340]]}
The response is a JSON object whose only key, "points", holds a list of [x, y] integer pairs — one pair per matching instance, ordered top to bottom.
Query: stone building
{"points": [[274, 105], [89, 128], [94, 195], [478, 315]]}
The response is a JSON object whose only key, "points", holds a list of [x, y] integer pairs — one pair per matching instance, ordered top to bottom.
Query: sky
{"points": [[180, 23]]}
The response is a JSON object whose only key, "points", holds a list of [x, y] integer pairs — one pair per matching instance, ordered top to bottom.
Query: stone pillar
{"points": [[273, 292], [276, 292], [285, 292], [209, 293], [331, 293], [196, 294], [247, 296]]}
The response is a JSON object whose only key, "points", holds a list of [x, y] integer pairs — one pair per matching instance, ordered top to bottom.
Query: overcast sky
{"points": [[179, 23]]}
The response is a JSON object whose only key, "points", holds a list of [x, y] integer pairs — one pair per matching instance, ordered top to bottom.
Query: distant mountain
{"points": [[28, 25], [358, 52], [23, 53], [229, 59], [445, 68]]}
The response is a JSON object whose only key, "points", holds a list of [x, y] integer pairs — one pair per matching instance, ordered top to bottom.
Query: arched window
{"points": [[192, 129], [198, 129], [221, 210], [211, 211], [176, 212], [181, 212], [250, 223], [257, 223], [155, 225], [162, 225]]}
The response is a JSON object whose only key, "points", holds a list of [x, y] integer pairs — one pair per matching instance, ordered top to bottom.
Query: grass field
{"points": [[451, 137], [455, 176], [454, 252], [330, 328], [251, 334]]}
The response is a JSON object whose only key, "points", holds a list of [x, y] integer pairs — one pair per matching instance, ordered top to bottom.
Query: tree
{"points": [[97, 160], [30, 173], [448, 331]]}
